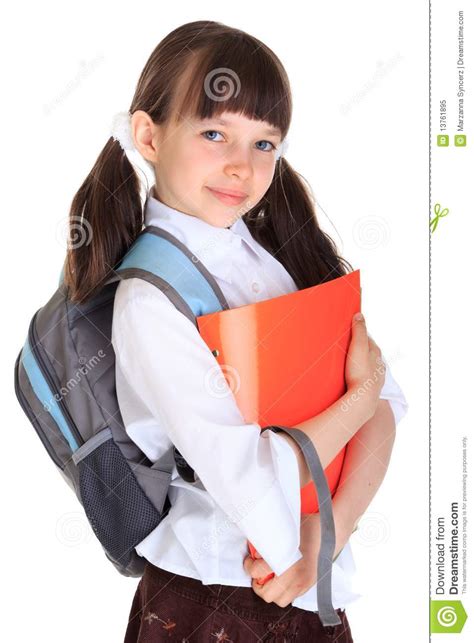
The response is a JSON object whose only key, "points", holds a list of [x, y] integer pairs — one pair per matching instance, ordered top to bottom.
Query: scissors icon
{"points": [[439, 213]]}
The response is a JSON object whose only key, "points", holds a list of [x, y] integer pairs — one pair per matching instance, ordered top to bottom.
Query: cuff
{"points": [[399, 408], [272, 529]]}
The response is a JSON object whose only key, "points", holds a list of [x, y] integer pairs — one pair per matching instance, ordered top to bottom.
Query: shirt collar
{"points": [[217, 248]]}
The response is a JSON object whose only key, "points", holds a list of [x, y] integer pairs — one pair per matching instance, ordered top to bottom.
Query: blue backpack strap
{"points": [[160, 258]]}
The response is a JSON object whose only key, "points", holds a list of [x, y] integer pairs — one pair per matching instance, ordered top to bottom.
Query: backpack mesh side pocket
{"points": [[118, 509]]}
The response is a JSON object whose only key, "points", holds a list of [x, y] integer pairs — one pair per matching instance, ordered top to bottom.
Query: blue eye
{"points": [[210, 131], [213, 131], [271, 148]]}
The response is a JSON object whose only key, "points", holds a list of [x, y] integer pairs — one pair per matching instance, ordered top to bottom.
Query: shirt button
{"points": [[256, 287]]}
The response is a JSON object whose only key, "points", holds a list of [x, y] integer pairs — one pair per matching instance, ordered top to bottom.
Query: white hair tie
{"points": [[121, 131], [282, 148]]}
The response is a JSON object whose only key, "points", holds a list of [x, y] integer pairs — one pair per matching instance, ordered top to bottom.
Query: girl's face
{"points": [[195, 158]]}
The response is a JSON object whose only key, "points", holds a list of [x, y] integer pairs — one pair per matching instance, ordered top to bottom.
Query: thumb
{"points": [[358, 324], [359, 330]]}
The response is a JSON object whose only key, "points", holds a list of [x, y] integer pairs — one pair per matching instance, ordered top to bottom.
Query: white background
{"points": [[359, 75], [451, 309]]}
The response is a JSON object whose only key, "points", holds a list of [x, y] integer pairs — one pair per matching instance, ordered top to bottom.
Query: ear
{"points": [[145, 135]]}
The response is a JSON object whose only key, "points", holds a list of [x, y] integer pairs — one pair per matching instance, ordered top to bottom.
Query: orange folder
{"points": [[284, 358]]}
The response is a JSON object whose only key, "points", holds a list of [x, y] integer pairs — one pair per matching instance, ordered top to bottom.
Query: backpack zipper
{"points": [[34, 345], [33, 419]]}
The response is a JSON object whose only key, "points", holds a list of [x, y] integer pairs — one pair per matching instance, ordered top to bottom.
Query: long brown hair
{"points": [[109, 204]]}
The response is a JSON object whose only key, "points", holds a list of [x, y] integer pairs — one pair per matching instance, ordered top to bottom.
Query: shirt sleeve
{"points": [[392, 392], [253, 477]]}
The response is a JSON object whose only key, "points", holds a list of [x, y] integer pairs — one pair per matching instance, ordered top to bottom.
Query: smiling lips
{"points": [[231, 197]]}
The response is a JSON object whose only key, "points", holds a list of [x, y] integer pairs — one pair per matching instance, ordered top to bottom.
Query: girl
{"points": [[210, 114]]}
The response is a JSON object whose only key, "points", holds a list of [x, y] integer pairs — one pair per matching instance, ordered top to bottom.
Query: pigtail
{"points": [[105, 218], [286, 225]]}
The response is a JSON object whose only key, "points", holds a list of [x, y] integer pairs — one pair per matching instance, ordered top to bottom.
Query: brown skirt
{"points": [[169, 607]]}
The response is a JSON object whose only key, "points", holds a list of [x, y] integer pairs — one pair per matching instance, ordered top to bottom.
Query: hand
{"points": [[364, 365], [297, 580], [283, 589]]}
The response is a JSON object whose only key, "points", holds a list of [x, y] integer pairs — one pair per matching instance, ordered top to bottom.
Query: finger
{"points": [[360, 322], [359, 327], [373, 344], [374, 349], [247, 564], [253, 567], [257, 568], [261, 568], [255, 572], [264, 579], [259, 589], [266, 592], [273, 592]]}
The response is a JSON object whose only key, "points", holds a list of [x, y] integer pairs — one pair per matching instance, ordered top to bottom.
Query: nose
{"points": [[237, 161]]}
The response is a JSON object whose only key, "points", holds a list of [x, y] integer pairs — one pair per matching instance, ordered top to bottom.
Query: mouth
{"points": [[231, 197]]}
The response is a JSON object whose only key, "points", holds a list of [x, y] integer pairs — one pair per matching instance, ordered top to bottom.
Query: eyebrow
{"points": [[269, 130]]}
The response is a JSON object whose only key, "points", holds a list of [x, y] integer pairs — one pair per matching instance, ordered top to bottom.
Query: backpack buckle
{"points": [[184, 470]]}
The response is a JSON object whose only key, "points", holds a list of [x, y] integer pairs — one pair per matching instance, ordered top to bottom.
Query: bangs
{"points": [[238, 75]]}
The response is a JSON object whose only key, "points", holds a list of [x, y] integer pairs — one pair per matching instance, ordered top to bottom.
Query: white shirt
{"points": [[248, 486]]}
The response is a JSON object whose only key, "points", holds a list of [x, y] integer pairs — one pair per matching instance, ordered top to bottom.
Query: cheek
{"points": [[200, 159], [182, 165], [264, 172]]}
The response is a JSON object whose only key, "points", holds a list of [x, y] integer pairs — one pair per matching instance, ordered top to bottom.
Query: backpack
{"points": [[65, 383]]}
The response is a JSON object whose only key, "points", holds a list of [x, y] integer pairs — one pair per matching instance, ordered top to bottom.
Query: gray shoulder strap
{"points": [[326, 611]]}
